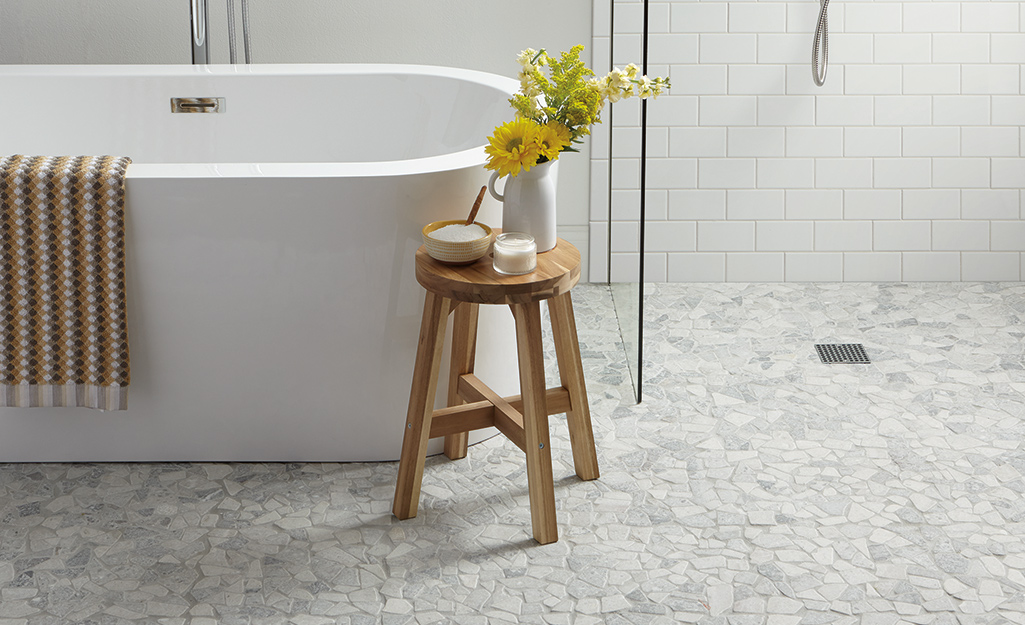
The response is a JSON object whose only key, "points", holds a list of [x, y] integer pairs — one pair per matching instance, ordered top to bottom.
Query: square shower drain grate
{"points": [[842, 353]]}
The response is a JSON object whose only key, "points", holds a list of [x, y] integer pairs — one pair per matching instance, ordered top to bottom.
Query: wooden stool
{"points": [[523, 419]]}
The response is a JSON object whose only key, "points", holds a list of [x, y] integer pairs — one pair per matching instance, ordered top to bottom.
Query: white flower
{"points": [[526, 57], [631, 70], [617, 79], [616, 85], [528, 86], [644, 87], [614, 95]]}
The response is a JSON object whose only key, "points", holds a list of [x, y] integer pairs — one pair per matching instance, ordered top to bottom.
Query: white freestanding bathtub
{"points": [[273, 309]]}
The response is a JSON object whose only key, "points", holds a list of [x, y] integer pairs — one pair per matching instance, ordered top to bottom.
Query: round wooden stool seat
{"points": [[558, 271], [459, 290]]}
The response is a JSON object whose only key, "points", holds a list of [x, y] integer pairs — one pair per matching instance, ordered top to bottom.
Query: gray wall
{"points": [[483, 35]]}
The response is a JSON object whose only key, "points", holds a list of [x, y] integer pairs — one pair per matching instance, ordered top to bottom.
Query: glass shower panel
{"points": [[626, 210], [626, 299]]}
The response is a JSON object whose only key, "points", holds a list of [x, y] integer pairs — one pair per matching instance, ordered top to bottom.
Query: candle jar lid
{"points": [[515, 241]]}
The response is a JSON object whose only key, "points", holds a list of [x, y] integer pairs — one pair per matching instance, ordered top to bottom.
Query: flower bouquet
{"points": [[554, 111]]}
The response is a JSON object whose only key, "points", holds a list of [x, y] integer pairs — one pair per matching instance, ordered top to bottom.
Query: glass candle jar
{"points": [[515, 253]]}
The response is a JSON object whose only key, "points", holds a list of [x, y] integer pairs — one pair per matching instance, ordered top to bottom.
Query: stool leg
{"points": [[464, 349], [567, 350], [421, 406], [540, 482]]}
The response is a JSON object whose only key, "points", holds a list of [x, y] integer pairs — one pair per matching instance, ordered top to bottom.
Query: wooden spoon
{"points": [[476, 206]]}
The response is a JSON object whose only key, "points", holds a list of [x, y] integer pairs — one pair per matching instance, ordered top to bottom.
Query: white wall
{"points": [[478, 35], [907, 164]]}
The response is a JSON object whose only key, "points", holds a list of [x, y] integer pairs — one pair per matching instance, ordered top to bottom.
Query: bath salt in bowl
{"points": [[459, 233], [455, 243]]}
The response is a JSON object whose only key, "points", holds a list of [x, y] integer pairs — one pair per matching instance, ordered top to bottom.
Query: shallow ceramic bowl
{"points": [[456, 252]]}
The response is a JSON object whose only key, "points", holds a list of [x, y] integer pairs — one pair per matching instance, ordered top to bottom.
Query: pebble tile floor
{"points": [[754, 485]]}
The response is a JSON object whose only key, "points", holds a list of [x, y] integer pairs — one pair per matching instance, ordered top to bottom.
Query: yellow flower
{"points": [[525, 106], [581, 108], [564, 134], [552, 138], [513, 146]]}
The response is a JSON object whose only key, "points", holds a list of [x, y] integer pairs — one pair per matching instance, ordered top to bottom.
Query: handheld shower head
{"points": [[820, 42]]}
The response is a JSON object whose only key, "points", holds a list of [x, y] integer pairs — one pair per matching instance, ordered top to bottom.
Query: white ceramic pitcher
{"points": [[528, 203]]}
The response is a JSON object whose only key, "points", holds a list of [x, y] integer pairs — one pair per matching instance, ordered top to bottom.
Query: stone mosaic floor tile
{"points": [[755, 485]]}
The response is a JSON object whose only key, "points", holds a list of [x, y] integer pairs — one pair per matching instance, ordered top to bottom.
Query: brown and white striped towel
{"points": [[63, 334]]}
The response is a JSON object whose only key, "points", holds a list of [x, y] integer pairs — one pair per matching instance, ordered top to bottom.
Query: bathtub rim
{"points": [[472, 157]]}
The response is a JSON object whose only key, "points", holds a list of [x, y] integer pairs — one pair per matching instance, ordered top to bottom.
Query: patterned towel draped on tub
{"points": [[63, 333]]}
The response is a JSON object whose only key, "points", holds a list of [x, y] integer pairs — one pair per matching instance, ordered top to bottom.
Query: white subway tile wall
{"points": [[908, 164], [754, 267], [813, 267]]}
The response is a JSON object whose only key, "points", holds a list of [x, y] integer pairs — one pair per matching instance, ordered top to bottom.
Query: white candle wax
{"points": [[515, 253]]}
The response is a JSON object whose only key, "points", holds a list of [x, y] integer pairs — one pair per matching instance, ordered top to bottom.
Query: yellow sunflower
{"points": [[553, 137], [513, 146]]}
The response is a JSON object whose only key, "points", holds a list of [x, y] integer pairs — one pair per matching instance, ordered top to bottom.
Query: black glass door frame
{"points": [[631, 326]]}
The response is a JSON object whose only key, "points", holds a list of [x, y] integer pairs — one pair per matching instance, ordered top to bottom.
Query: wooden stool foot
{"points": [[464, 351], [421, 404], [578, 417], [456, 445], [540, 482]]}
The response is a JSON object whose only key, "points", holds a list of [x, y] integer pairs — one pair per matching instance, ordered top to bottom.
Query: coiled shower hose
{"points": [[821, 42]]}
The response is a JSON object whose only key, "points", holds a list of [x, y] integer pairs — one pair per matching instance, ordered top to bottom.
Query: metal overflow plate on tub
{"points": [[197, 105]]}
